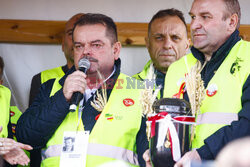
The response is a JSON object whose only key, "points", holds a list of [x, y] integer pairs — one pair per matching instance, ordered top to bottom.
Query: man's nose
{"points": [[195, 24], [168, 43], [87, 50]]}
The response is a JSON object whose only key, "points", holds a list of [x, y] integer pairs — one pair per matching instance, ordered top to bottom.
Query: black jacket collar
{"points": [[217, 58]]}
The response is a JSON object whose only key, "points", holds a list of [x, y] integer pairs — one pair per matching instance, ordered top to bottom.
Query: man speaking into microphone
{"points": [[108, 119]]}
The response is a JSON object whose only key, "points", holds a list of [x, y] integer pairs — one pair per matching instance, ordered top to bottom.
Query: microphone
{"points": [[83, 65]]}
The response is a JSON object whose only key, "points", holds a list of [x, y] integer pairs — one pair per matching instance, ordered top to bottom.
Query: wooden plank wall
{"points": [[50, 32]]}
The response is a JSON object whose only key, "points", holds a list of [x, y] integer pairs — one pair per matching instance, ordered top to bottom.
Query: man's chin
{"points": [[165, 64], [163, 68], [91, 72]]}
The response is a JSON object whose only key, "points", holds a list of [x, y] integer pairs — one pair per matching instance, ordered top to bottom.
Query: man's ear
{"points": [[233, 22], [63, 38], [146, 41], [188, 43], [116, 50]]}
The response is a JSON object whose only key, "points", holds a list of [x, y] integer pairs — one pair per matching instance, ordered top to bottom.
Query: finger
{"points": [[78, 72], [77, 75], [77, 78], [73, 82], [77, 83], [74, 86], [69, 89], [1, 128], [7, 141], [8, 144], [24, 146], [27, 147], [7, 148], [4, 152], [17, 156], [146, 156], [15, 159], [23, 159], [11, 161], [184, 161], [14, 162], [148, 164], [178, 164]]}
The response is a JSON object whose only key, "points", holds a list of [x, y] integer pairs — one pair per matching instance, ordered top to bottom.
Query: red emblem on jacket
{"points": [[212, 90], [128, 102], [12, 113]]}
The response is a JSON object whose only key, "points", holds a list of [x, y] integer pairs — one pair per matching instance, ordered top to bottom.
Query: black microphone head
{"points": [[84, 64]]}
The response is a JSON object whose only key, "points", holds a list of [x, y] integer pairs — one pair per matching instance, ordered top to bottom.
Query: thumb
{"points": [[1, 128], [146, 156]]}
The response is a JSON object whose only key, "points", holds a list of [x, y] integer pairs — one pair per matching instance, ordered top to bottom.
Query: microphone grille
{"points": [[84, 63]]}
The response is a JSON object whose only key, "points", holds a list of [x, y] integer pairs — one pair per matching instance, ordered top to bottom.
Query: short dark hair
{"points": [[232, 7], [167, 12], [96, 18], [1, 67], [69, 138]]}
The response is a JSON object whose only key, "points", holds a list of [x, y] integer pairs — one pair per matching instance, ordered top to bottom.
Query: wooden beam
{"points": [[31, 31], [50, 32], [132, 34]]}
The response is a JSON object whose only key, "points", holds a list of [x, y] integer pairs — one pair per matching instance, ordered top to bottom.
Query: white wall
{"points": [[23, 61]]}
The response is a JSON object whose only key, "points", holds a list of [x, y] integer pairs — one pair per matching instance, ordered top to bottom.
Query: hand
{"points": [[75, 82], [7, 145], [12, 151], [16, 156], [146, 158], [187, 158]]}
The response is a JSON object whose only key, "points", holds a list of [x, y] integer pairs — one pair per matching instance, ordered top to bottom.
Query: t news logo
{"points": [[129, 83]]}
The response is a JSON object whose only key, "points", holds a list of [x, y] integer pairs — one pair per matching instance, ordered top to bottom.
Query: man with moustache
{"points": [[166, 42], [117, 129]]}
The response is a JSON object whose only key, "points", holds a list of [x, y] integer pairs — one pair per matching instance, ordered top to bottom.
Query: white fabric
{"points": [[168, 125]]}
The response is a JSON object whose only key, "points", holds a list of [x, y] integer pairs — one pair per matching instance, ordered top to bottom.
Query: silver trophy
{"points": [[169, 131]]}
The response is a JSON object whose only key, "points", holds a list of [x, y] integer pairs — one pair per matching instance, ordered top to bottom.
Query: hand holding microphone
{"points": [[75, 84]]}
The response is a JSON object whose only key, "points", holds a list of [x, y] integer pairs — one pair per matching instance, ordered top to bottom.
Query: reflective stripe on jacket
{"points": [[222, 108], [114, 134]]}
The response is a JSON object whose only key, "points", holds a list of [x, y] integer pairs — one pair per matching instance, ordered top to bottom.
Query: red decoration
{"points": [[128, 102]]}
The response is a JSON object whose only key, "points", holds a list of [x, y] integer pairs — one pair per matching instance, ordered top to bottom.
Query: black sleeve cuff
{"points": [[60, 102], [142, 142], [205, 153]]}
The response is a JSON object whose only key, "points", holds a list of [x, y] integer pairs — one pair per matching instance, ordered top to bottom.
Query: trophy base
{"points": [[162, 157]]}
